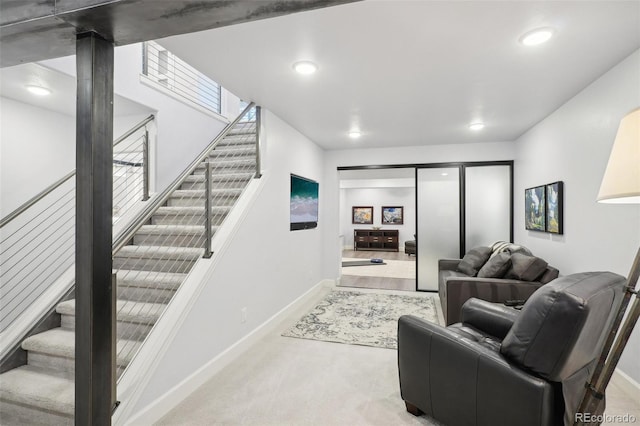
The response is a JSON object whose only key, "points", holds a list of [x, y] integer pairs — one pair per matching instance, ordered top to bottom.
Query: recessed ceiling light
{"points": [[537, 36], [305, 67], [38, 90], [476, 126], [354, 134], [444, 174]]}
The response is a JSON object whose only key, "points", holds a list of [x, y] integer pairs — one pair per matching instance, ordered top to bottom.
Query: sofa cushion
{"points": [[473, 260], [496, 266], [526, 268], [549, 275]]}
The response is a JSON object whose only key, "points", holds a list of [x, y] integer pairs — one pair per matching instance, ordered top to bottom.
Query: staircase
{"points": [[149, 271]]}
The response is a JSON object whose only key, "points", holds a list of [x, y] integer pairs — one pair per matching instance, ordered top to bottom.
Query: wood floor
{"points": [[402, 284]]}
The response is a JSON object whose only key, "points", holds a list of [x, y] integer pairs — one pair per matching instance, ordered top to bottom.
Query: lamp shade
{"points": [[621, 181]]}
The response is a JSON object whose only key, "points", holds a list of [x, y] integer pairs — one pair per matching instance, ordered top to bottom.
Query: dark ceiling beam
{"points": [[35, 30]]}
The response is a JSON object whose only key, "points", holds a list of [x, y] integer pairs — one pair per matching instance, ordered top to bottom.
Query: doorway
{"points": [[457, 206], [377, 218]]}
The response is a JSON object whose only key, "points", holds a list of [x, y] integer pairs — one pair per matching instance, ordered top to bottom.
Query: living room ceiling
{"points": [[417, 72]]}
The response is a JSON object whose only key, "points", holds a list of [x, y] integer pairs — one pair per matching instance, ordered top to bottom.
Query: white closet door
{"points": [[487, 205], [438, 210]]}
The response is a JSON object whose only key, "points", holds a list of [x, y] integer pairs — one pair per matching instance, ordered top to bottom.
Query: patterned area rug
{"points": [[358, 318]]}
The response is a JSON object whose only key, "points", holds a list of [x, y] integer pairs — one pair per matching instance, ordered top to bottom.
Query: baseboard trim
{"points": [[629, 386], [165, 403]]}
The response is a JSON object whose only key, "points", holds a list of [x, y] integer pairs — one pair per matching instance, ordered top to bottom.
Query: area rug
{"points": [[362, 318]]}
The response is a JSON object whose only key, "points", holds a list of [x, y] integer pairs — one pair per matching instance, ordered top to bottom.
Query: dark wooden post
{"points": [[95, 334]]}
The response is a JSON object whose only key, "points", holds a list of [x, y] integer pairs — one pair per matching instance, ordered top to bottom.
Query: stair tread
{"points": [[243, 129], [233, 150], [225, 162], [225, 176], [180, 193], [190, 210], [172, 229], [159, 252], [148, 279], [128, 310], [61, 342], [34, 386]]}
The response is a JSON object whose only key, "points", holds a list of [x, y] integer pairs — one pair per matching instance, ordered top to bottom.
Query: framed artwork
{"points": [[554, 195], [303, 203], [535, 212], [362, 215], [392, 215]]}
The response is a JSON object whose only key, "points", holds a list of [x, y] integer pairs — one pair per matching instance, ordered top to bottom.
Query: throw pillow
{"points": [[503, 246], [473, 260], [496, 266], [526, 268]]}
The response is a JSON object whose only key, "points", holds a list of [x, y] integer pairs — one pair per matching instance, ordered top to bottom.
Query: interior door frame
{"points": [[461, 166]]}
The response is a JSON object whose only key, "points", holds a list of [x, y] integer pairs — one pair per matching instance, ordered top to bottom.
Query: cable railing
{"points": [[176, 75], [37, 240], [156, 249], [153, 257]]}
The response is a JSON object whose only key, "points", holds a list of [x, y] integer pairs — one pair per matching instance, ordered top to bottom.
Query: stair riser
{"points": [[243, 128], [241, 143], [228, 156], [227, 168], [234, 184], [225, 201], [159, 219], [169, 240], [182, 266], [140, 294], [124, 330], [66, 367], [18, 414]]}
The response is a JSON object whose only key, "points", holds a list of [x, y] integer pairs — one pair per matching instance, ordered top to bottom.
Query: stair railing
{"points": [[145, 215], [37, 240], [153, 255]]}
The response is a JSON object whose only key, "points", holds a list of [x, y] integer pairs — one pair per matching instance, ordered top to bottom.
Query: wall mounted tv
{"points": [[304, 203]]}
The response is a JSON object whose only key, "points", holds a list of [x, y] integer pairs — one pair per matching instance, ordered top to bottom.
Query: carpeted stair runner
{"points": [[149, 272]]}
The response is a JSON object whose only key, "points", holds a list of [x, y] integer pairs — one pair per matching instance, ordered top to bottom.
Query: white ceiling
{"points": [[417, 72], [13, 82]]}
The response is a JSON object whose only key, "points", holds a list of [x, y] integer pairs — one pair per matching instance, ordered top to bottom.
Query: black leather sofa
{"points": [[455, 288], [501, 366]]}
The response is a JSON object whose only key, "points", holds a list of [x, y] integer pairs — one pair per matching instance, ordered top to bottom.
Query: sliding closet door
{"points": [[487, 205], [438, 224]]}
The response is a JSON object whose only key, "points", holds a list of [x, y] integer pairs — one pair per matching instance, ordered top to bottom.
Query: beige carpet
{"points": [[392, 269], [299, 382]]}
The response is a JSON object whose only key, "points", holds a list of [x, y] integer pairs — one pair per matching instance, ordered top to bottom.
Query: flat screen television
{"points": [[304, 203]]}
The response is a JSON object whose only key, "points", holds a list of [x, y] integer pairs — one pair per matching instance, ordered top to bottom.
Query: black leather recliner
{"points": [[502, 366]]}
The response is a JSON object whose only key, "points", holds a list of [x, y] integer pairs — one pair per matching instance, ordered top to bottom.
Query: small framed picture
{"points": [[554, 193], [535, 212], [362, 215], [392, 215]]}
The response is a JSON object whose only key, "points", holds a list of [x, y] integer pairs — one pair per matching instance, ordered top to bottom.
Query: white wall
{"points": [[182, 130], [573, 145], [32, 156], [378, 197], [330, 207], [265, 267]]}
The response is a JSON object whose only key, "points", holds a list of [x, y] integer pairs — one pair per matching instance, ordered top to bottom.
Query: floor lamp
{"points": [[620, 184]]}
